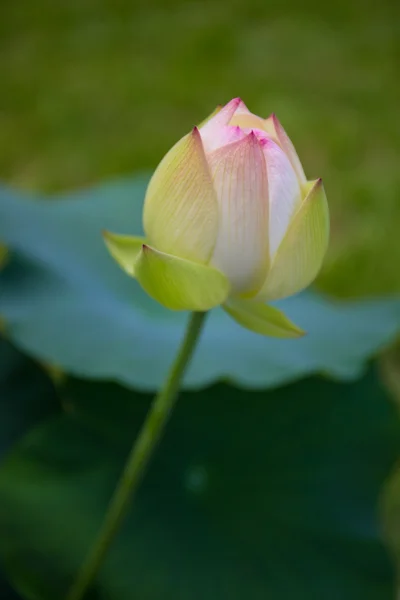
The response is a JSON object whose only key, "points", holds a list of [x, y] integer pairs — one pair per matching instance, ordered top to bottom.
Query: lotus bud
{"points": [[230, 219]]}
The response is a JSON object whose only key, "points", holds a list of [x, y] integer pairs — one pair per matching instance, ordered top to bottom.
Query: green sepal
{"points": [[124, 249], [180, 284], [262, 318]]}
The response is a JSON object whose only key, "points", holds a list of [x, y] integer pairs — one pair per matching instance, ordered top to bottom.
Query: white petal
{"points": [[240, 181], [283, 190]]}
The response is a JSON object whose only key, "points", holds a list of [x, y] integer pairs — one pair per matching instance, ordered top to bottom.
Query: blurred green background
{"points": [[93, 90], [97, 90]]}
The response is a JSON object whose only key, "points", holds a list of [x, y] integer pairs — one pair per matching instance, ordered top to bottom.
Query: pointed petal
{"points": [[241, 108], [222, 117], [234, 122], [273, 126], [211, 131], [223, 136], [284, 192], [180, 212], [124, 249], [241, 250], [300, 255], [180, 284], [261, 318]]}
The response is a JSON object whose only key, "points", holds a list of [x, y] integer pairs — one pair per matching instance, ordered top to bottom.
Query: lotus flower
{"points": [[229, 219]]}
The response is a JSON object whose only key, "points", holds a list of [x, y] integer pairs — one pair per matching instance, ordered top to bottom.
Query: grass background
{"points": [[95, 90]]}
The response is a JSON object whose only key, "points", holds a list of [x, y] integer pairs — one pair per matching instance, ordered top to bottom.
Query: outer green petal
{"points": [[180, 212], [124, 249], [301, 252], [180, 284], [262, 318]]}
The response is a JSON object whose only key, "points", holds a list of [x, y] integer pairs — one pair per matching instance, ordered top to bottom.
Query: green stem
{"points": [[139, 456]]}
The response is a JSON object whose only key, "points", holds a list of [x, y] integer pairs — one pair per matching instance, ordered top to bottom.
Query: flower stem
{"points": [[139, 456]]}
